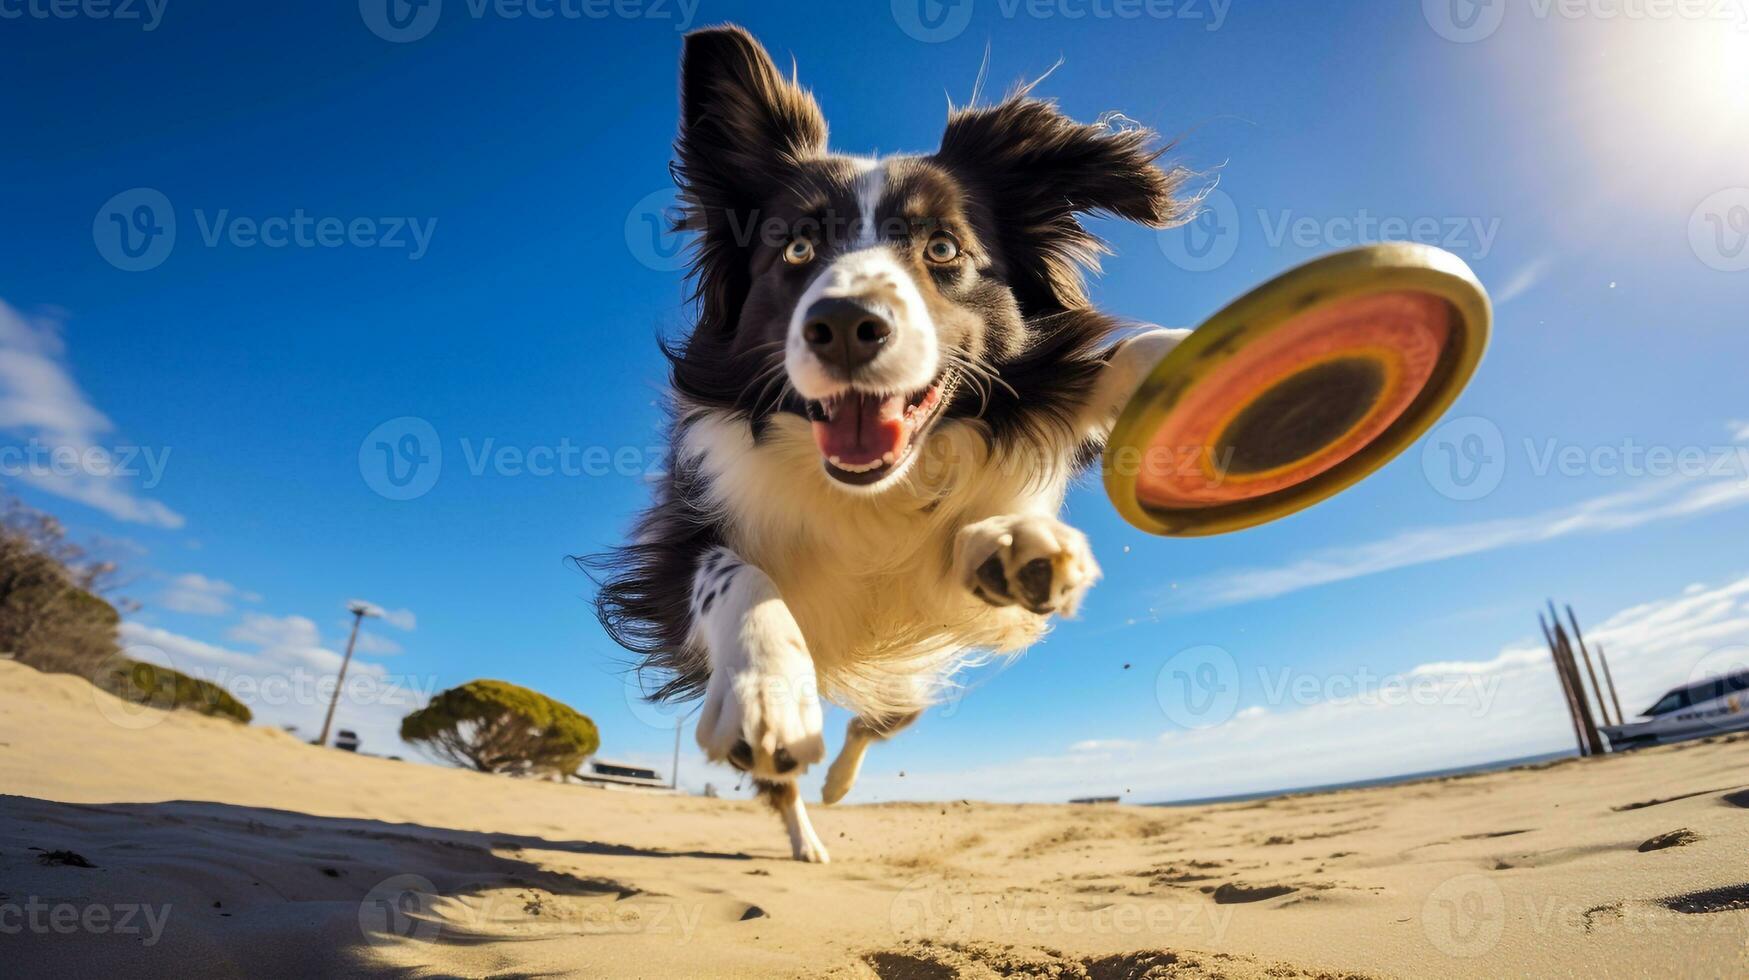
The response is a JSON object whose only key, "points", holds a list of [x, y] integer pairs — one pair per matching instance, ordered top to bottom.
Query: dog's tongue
{"points": [[863, 429]]}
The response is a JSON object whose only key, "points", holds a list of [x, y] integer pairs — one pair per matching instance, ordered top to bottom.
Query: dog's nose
{"points": [[844, 333]]}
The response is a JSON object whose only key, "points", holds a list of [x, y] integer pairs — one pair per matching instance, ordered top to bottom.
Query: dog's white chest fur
{"points": [[871, 579]]}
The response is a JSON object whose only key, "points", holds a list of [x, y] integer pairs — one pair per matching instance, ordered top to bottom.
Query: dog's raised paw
{"points": [[1029, 560], [762, 709]]}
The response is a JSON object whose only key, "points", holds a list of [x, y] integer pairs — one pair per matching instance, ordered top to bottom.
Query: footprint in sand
{"points": [[1676, 838], [1232, 894], [1731, 898]]}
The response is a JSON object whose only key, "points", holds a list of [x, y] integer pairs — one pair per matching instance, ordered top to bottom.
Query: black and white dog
{"points": [[894, 374]]}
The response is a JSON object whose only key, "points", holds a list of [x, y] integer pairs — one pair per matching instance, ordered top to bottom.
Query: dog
{"points": [[894, 375]]}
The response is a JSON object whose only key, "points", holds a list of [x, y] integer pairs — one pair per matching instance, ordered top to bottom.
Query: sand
{"points": [[135, 843]]}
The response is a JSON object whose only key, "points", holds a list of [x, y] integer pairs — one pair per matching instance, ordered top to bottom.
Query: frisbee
{"points": [[1297, 390]]}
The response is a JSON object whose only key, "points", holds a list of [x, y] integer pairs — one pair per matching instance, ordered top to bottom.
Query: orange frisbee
{"points": [[1297, 390]]}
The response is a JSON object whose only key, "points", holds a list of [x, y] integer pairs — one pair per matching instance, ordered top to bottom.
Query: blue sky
{"points": [[447, 223]]}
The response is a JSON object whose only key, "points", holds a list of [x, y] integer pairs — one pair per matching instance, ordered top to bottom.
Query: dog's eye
{"points": [[942, 249], [799, 251]]}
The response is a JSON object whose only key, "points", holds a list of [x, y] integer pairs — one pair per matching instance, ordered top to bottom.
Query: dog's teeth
{"points": [[888, 458], [835, 461]]}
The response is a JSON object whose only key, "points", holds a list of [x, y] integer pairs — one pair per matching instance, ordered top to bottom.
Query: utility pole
{"points": [[359, 610], [674, 773]]}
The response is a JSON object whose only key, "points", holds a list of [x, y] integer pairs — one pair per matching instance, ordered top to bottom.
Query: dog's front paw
{"points": [[1031, 560], [762, 706]]}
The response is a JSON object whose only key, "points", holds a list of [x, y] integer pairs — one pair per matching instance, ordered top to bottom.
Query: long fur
{"points": [[871, 577]]}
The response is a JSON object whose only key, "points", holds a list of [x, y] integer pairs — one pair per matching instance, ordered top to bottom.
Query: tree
{"points": [[52, 614], [138, 682], [496, 726]]}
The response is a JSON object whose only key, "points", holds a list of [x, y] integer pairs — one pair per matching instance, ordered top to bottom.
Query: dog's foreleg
{"points": [[1125, 367], [762, 702], [858, 736], [786, 799]]}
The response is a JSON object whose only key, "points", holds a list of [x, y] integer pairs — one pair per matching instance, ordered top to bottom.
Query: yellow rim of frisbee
{"points": [[1390, 267]]}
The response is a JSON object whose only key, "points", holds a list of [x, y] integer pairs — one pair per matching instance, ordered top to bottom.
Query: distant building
{"points": [[609, 774]]}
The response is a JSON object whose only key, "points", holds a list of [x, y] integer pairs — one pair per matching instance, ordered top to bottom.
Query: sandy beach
{"points": [[148, 844]]}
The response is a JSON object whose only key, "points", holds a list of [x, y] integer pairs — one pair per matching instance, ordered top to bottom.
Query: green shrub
{"points": [[138, 682], [494, 726]]}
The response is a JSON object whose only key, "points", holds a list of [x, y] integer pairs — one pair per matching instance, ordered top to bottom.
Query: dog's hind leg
{"points": [[861, 733], [786, 799]]}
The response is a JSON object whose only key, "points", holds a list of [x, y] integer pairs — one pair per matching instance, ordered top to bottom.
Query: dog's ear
{"points": [[741, 122], [743, 127], [1037, 170]]}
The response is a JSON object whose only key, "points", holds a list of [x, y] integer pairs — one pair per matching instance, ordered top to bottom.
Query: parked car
{"points": [[1717, 704], [346, 739]]}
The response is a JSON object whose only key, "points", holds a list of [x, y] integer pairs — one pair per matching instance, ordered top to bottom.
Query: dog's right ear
{"points": [[742, 123]]}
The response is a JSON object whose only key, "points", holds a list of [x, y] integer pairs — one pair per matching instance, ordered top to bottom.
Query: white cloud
{"points": [[1528, 277], [45, 408], [1739, 429], [1661, 501], [195, 593], [369, 642], [283, 671], [1468, 712]]}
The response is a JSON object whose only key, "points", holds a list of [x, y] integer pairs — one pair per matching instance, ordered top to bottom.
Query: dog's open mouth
{"points": [[864, 436]]}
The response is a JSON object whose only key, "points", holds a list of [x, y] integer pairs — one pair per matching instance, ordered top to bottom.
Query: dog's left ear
{"points": [[1038, 170]]}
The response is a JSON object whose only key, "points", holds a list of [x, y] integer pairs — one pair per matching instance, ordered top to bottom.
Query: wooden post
{"points": [[1604, 663], [1566, 686], [1602, 705], [1588, 721]]}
